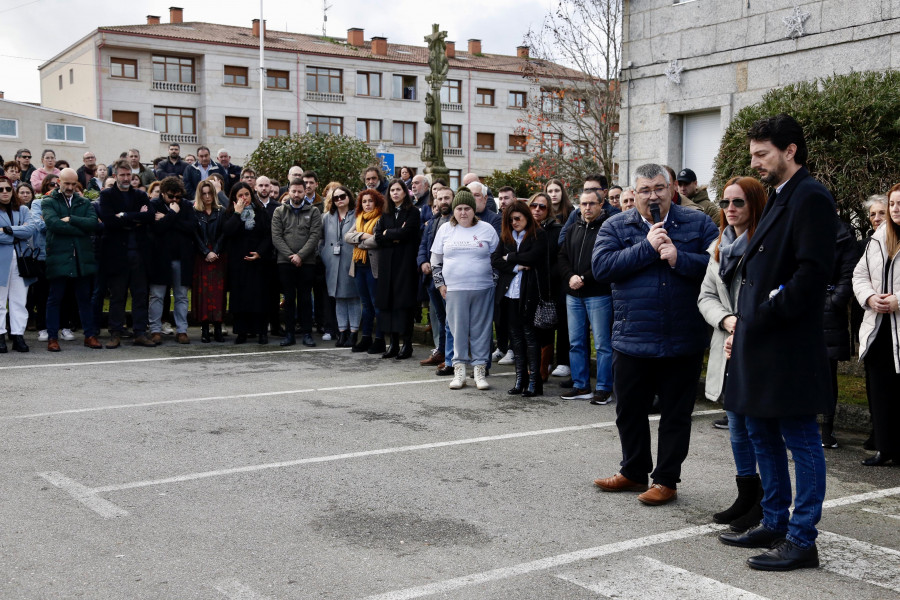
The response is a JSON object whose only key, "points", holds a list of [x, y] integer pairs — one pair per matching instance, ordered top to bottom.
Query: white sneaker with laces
{"points": [[167, 329], [66, 334], [43, 336], [326, 337], [496, 355], [508, 359], [561, 371], [459, 377], [481, 381]]}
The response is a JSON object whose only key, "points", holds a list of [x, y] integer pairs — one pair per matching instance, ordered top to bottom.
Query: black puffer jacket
{"points": [[839, 293]]}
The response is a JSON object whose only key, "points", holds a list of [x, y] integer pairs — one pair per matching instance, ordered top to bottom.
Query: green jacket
{"points": [[701, 199], [70, 249]]}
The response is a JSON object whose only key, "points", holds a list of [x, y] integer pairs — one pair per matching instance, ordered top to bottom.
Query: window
{"points": [[122, 68], [174, 69], [71, 76], [237, 76], [278, 80], [325, 81], [60, 82], [368, 84], [404, 87], [451, 91], [484, 97], [518, 99], [551, 101], [580, 106], [126, 117], [169, 119], [320, 124], [237, 126], [277, 127], [9, 128], [368, 130], [57, 132], [404, 133], [451, 135], [484, 141], [551, 142], [517, 143], [581, 148], [455, 177]]}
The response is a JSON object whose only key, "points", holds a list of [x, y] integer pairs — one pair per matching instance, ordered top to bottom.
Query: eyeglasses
{"points": [[5, 189], [658, 190], [339, 197], [738, 203], [539, 206], [517, 218]]}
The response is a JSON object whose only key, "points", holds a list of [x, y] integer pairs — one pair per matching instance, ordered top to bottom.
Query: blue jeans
{"points": [[365, 285], [157, 299], [586, 315], [438, 317], [771, 438], [741, 446]]}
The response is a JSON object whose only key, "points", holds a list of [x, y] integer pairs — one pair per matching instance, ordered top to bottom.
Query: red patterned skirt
{"points": [[208, 291]]}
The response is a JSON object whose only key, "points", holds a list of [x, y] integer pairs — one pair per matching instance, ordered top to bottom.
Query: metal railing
{"points": [[169, 86], [324, 97], [180, 138], [453, 151]]}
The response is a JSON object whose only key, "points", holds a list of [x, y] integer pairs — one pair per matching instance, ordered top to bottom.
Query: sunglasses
{"points": [[28, 156], [54, 184], [5, 189], [173, 196], [340, 197], [738, 203], [539, 206], [516, 218]]}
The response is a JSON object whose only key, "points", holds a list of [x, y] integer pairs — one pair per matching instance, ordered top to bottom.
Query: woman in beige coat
{"points": [[364, 267]]}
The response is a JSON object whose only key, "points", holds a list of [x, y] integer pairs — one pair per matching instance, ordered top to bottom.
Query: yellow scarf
{"points": [[365, 223]]}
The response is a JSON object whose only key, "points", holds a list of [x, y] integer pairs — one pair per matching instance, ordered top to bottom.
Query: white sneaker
{"points": [[167, 329], [66, 334], [43, 336], [326, 337], [497, 355], [507, 359], [561, 371], [459, 377], [481, 381]]}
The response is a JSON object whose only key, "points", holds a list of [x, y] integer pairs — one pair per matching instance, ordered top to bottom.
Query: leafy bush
{"points": [[852, 128], [333, 157], [517, 179]]}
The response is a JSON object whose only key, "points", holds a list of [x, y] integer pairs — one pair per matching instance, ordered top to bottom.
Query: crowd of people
{"points": [[642, 273]]}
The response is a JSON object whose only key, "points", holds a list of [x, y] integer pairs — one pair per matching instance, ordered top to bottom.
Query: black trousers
{"points": [[119, 284], [296, 285], [273, 294], [325, 311], [501, 326], [523, 336], [636, 381], [884, 392]]}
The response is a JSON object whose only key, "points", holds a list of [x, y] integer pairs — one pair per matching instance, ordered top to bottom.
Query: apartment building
{"points": [[198, 83]]}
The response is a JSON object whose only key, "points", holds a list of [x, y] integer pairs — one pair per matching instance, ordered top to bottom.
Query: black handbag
{"points": [[28, 263], [545, 312]]}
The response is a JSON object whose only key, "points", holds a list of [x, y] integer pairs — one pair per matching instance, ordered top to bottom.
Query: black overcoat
{"points": [[397, 236], [114, 239], [172, 239], [247, 278], [839, 293], [779, 363]]}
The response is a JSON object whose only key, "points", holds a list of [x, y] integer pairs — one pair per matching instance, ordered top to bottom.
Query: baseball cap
{"points": [[686, 176]]}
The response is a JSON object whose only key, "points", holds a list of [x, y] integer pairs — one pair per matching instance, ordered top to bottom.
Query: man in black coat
{"points": [[230, 171], [124, 254], [778, 374]]}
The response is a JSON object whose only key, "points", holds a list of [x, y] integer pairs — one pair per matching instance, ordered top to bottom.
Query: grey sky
{"points": [[36, 30]]}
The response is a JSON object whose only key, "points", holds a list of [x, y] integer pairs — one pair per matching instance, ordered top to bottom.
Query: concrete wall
{"points": [[732, 54], [78, 91]]}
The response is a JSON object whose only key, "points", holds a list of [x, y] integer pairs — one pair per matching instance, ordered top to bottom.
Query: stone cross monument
{"points": [[433, 141]]}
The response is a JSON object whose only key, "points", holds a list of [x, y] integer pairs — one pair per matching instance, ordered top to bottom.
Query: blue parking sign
{"points": [[387, 162]]}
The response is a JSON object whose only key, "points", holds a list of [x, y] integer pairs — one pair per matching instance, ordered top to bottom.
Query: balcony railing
{"points": [[170, 86], [324, 97], [451, 106], [553, 116], [180, 138], [453, 151]]}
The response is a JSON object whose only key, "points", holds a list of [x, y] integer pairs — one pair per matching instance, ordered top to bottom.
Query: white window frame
{"points": [[16, 123], [65, 127]]}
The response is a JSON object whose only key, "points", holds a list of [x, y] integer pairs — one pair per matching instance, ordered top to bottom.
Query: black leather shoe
{"points": [[289, 339], [308, 340], [18, 343], [391, 352], [405, 352], [444, 371], [875, 461], [757, 537], [786, 556]]}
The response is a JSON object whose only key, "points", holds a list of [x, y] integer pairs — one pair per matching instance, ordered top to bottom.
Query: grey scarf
{"points": [[247, 216], [731, 250]]}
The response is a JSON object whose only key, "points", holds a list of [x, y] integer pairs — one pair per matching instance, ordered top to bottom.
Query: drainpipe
{"points": [[100, 78], [469, 127]]}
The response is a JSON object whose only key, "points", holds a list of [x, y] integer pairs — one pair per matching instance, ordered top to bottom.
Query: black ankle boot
{"points": [[204, 333], [217, 333], [351, 339], [343, 340], [18, 343], [364, 343], [377, 346], [3, 348], [394, 350], [406, 351], [521, 377], [535, 385], [749, 493]]}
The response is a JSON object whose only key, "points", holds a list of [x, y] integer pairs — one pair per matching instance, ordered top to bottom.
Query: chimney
{"points": [[176, 15], [152, 20], [255, 27], [355, 37], [379, 46], [474, 46], [451, 49], [522, 51], [1, 95]]}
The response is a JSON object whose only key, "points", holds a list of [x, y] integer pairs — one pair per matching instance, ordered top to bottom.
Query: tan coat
{"points": [[355, 237]]}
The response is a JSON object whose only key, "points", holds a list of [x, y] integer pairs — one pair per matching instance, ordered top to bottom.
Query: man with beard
{"points": [[173, 165], [442, 201]]}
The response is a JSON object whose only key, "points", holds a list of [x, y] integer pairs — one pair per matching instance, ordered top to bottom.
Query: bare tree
{"points": [[572, 117]]}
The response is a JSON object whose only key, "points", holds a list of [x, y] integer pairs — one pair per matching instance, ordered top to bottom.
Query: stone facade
{"points": [[731, 53]]}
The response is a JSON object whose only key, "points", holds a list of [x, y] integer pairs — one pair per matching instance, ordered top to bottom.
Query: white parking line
{"points": [[83, 493], [878, 511], [860, 560], [644, 577], [235, 590]]}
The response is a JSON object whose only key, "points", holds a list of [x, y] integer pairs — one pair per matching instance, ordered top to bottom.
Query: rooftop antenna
{"points": [[325, 7]]}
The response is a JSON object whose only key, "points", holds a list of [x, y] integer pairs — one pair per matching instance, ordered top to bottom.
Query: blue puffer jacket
{"points": [[654, 305]]}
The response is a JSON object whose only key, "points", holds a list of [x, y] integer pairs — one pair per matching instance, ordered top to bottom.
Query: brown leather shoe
{"points": [[156, 338], [182, 338], [143, 340], [114, 342], [93, 343], [53, 345], [435, 359], [619, 483], [658, 494]]}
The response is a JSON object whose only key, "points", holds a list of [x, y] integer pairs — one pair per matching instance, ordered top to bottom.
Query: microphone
{"points": [[654, 212]]}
